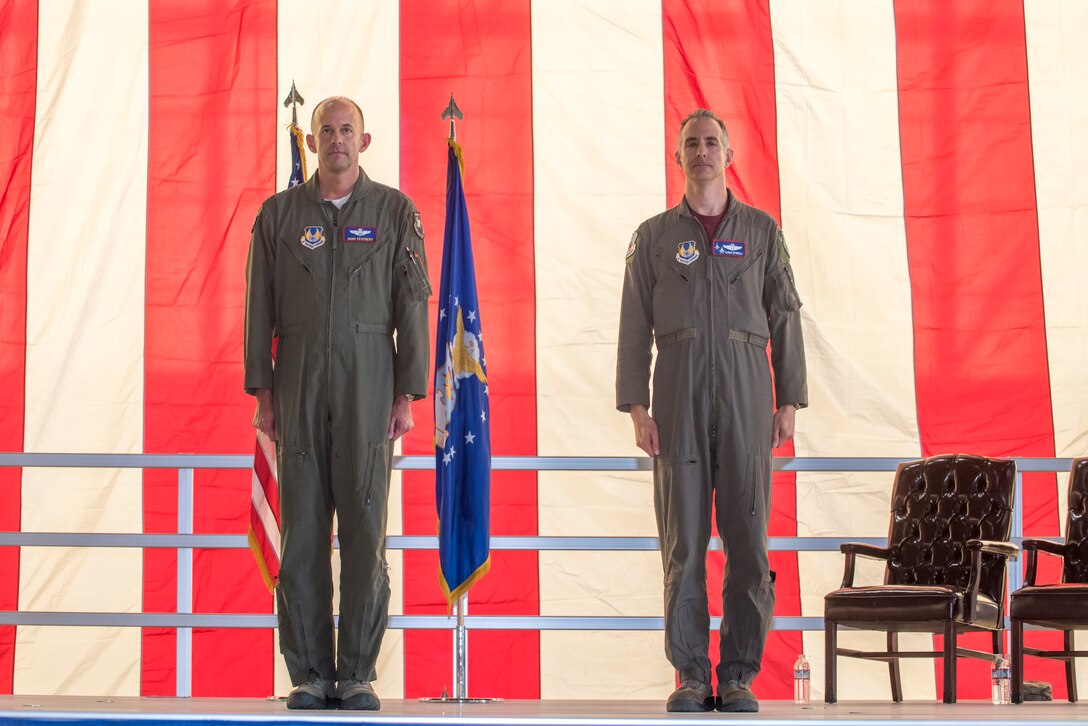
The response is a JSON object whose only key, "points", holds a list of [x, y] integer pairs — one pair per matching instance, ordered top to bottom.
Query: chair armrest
{"points": [[1046, 545], [1033, 547], [1004, 549], [852, 550], [865, 550]]}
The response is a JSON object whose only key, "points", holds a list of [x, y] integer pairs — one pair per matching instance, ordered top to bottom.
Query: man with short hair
{"points": [[336, 269], [709, 281]]}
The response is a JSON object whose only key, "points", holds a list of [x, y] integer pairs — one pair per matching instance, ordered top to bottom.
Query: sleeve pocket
{"points": [[414, 279]]}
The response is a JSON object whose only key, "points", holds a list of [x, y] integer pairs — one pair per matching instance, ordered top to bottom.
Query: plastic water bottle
{"points": [[1000, 678], [802, 681]]}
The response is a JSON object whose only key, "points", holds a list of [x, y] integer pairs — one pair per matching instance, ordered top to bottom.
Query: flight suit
{"points": [[345, 292], [711, 306]]}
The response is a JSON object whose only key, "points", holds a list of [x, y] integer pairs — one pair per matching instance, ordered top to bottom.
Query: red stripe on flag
{"points": [[480, 54], [739, 86], [18, 88], [211, 161], [981, 370], [265, 494]]}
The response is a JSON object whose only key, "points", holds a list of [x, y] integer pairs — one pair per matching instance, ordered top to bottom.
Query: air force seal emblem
{"points": [[312, 237], [687, 252]]}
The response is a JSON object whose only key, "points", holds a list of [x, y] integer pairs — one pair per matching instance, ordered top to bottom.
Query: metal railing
{"points": [[185, 541]]}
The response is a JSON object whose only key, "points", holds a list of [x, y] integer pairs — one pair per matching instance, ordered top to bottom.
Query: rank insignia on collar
{"points": [[417, 224], [312, 237], [728, 248], [687, 252]]}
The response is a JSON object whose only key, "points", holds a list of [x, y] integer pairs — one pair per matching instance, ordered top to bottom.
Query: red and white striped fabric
{"points": [[927, 161], [264, 511]]}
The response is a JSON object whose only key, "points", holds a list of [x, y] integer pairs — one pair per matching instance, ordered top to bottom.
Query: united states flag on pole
{"points": [[927, 161], [264, 515]]}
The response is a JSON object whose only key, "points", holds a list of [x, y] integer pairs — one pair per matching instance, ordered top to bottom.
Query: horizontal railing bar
{"points": [[498, 463], [404, 542], [416, 542], [396, 622]]}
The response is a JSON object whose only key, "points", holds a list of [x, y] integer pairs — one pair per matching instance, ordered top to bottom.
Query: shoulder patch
{"points": [[417, 224], [632, 246], [783, 250]]}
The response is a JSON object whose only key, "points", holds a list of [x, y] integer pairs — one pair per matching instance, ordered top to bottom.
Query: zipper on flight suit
{"points": [[332, 293], [713, 414]]}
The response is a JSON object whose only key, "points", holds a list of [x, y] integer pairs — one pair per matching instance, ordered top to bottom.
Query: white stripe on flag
{"points": [[355, 57], [362, 64], [1058, 80], [598, 172], [842, 209], [85, 323], [264, 513]]}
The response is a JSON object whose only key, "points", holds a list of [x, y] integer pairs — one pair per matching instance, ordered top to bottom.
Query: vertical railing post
{"points": [[1016, 573], [184, 662]]}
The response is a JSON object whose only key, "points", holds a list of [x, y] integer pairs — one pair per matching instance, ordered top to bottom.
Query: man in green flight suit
{"points": [[337, 276], [709, 281]]}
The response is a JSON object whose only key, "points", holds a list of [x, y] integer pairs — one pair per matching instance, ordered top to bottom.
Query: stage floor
{"points": [[71, 709]]}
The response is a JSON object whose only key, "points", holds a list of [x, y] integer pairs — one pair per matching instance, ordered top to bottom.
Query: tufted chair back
{"points": [[938, 504], [1076, 526]]}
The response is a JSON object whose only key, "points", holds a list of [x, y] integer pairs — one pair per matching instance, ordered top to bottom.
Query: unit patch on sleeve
{"points": [[417, 224], [360, 234], [312, 237], [632, 247], [728, 248]]}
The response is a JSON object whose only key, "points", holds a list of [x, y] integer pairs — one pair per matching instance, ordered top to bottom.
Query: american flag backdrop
{"points": [[928, 160]]}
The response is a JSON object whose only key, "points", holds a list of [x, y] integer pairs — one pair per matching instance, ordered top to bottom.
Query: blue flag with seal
{"points": [[462, 439]]}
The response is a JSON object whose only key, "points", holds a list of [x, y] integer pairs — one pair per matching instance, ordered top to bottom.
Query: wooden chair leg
{"points": [[830, 656], [1016, 658], [950, 662], [893, 667], [1070, 667]]}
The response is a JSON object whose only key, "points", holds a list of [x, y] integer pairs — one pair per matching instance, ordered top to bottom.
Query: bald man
{"points": [[336, 269]]}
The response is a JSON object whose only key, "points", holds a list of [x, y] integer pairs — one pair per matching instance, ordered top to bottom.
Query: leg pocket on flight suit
{"points": [[758, 478], [375, 483]]}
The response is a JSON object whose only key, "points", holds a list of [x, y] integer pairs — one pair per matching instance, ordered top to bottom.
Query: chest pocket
{"points": [[295, 285]]}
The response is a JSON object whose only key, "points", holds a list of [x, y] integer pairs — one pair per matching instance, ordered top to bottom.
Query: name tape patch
{"points": [[360, 234], [728, 248]]}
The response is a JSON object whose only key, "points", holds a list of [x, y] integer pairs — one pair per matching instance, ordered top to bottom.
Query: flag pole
{"points": [[460, 634], [460, 638], [460, 649]]}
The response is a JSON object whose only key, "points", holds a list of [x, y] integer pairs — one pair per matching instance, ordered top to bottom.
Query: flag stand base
{"points": [[460, 660], [451, 699]]}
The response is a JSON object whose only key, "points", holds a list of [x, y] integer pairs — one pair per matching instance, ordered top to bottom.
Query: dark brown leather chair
{"points": [[947, 549], [1062, 606]]}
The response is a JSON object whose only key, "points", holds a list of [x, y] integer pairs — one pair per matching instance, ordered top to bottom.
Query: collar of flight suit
{"points": [[362, 187], [732, 206]]}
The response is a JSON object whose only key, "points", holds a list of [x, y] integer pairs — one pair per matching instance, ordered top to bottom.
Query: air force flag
{"points": [[462, 441]]}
